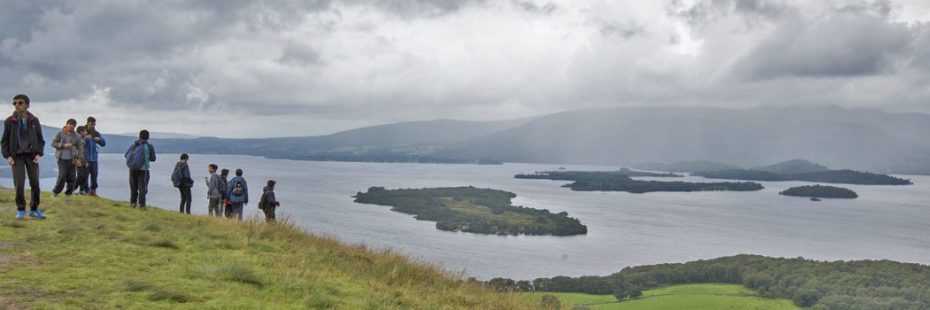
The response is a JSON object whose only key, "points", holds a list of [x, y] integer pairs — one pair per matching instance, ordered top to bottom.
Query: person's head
{"points": [[21, 103], [91, 123], [70, 124], [82, 130], [144, 134], [184, 157], [212, 168], [224, 172], [238, 172], [271, 183]]}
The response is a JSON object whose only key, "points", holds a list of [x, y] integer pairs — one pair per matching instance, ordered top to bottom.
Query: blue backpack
{"points": [[135, 159]]}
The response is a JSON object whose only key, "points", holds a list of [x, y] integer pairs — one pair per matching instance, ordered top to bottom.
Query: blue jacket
{"points": [[90, 148], [244, 198]]}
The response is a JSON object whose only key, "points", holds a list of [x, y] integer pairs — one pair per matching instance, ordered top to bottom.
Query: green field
{"points": [[93, 253], [686, 296]]}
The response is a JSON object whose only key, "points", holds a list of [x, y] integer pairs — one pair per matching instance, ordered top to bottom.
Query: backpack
{"points": [[135, 159], [176, 177], [237, 189], [262, 202]]}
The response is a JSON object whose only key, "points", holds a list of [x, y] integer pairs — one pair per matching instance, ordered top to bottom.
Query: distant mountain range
{"points": [[836, 137]]}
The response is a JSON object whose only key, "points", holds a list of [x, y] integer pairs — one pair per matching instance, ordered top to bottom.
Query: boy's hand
{"points": [[10, 160]]}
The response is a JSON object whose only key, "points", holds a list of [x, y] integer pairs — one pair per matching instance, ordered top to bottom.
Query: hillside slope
{"points": [[96, 253]]}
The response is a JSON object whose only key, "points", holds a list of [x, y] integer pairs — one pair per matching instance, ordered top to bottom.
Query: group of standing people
{"points": [[76, 149], [76, 152], [226, 197]]}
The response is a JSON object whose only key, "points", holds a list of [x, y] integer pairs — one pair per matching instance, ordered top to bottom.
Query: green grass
{"points": [[96, 253], [686, 296]]}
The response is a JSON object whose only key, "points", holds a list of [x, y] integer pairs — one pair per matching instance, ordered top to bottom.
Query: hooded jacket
{"points": [[244, 197]]}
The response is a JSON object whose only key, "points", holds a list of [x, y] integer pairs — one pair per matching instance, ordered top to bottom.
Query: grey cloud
{"points": [[418, 8], [534, 8], [708, 11], [624, 30], [848, 43], [300, 54]]}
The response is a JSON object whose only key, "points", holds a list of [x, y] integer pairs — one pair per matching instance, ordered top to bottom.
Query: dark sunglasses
{"points": [[18, 102]]}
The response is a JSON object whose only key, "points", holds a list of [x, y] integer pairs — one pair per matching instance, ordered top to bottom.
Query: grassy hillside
{"points": [[96, 253], [688, 296]]}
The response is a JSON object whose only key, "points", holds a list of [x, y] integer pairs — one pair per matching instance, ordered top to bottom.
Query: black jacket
{"points": [[32, 141], [181, 177]]}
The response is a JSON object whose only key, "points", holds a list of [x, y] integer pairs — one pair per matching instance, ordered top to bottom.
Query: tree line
{"points": [[867, 284]]}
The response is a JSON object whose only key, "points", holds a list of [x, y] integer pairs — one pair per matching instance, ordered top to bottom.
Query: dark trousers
{"points": [[23, 166], [88, 171], [92, 172], [66, 175], [82, 179], [138, 186], [185, 199], [215, 208], [228, 210], [237, 210], [269, 215]]}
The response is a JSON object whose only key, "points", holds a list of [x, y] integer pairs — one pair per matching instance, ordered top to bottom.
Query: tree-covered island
{"points": [[845, 176], [619, 181], [820, 191], [474, 210]]}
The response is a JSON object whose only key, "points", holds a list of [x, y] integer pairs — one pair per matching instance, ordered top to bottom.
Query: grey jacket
{"points": [[77, 146], [214, 190]]}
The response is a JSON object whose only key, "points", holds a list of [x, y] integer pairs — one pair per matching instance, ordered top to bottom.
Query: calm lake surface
{"points": [[886, 222]]}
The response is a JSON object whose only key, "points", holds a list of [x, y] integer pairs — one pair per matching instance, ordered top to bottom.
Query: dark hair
{"points": [[21, 97], [91, 119], [71, 121], [81, 128], [144, 135], [184, 156], [213, 166], [224, 172], [238, 172], [271, 183]]}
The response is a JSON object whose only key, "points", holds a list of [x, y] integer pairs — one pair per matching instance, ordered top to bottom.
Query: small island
{"points": [[583, 175], [829, 176], [621, 182], [640, 187], [820, 191], [474, 210]]}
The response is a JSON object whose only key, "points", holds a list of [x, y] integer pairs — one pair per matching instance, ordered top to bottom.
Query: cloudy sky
{"points": [[283, 68]]}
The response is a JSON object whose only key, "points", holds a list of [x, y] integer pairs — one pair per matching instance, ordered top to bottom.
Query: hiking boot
{"points": [[92, 192], [82, 193], [55, 194], [132, 205], [21, 214], [37, 214]]}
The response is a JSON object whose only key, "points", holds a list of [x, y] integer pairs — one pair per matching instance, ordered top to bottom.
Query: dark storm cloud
{"points": [[848, 43]]}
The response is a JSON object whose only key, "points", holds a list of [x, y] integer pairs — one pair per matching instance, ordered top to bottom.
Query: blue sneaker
{"points": [[20, 214], [37, 214]]}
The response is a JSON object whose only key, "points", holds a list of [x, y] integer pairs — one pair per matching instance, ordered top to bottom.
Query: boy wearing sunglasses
{"points": [[23, 146]]}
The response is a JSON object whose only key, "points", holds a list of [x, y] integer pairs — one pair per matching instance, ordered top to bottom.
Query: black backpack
{"points": [[238, 190]]}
